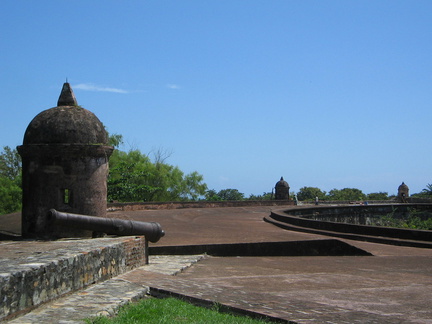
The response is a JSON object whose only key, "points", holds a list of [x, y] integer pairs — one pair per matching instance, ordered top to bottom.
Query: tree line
{"points": [[136, 177], [352, 194]]}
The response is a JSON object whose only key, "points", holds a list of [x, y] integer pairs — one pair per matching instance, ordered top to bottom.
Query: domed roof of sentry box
{"points": [[67, 123], [282, 183], [403, 186]]}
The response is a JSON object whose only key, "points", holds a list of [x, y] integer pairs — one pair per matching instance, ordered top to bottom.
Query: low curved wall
{"points": [[337, 219]]}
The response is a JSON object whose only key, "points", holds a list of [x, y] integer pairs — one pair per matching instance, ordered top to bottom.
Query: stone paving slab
{"points": [[310, 289], [107, 297], [101, 299]]}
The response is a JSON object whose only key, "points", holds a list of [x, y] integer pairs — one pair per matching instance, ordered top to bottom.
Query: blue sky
{"points": [[329, 94]]}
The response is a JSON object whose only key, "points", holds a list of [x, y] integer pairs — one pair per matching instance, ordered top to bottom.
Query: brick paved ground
{"points": [[393, 286], [311, 289]]}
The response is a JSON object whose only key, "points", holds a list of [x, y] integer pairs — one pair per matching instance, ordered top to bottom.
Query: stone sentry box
{"points": [[65, 156], [282, 190]]}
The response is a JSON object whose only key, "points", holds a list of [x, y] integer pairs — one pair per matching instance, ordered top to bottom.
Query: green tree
{"points": [[115, 140], [10, 163], [134, 177], [169, 179], [10, 181], [125, 183], [194, 186], [428, 190], [309, 193], [425, 193], [230, 194], [346, 194], [211, 195], [10, 196], [264, 196], [378, 196]]}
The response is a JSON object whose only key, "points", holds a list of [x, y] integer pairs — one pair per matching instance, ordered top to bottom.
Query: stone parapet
{"points": [[116, 206], [351, 222], [52, 269]]}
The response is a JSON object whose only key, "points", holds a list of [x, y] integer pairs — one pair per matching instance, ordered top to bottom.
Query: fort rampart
{"points": [[116, 206], [353, 221], [52, 269]]}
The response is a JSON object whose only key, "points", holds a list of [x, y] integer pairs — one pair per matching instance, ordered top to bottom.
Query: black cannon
{"points": [[151, 230]]}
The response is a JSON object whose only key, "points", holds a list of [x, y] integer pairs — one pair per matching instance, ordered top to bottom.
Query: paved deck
{"points": [[393, 286]]}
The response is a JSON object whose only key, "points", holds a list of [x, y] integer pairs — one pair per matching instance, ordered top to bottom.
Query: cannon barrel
{"points": [[151, 230]]}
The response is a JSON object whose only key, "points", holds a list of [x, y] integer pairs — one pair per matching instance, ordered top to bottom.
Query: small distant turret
{"points": [[282, 190], [403, 192]]}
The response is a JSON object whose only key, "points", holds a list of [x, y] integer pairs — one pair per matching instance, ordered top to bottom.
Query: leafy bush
{"points": [[133, 177], [10, 181], [10, 196], [413, 219]]}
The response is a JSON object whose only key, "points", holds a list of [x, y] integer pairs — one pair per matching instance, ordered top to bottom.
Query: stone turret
{"points": [[65, 156], [282, 190], [403, 192]]}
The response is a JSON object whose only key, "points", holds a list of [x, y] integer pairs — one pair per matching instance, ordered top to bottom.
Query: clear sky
{"points": [[328, 94]]}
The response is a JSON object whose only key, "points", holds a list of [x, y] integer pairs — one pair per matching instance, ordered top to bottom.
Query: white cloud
{"points": [[173, 86], [93, 87]]}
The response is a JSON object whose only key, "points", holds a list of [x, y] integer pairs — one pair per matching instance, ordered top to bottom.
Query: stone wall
{"points": [[68, 178], [116, 206], [343, 219], [77, 264]]}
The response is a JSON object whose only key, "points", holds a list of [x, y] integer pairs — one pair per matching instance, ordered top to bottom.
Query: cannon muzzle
{"points": [[151, 230]]}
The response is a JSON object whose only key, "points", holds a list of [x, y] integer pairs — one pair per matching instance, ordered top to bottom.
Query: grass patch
{"points": [[170, 310]]}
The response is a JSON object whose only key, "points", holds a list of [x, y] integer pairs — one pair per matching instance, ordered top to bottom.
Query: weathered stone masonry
{"points": [[65, 167], [72, 267]]}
